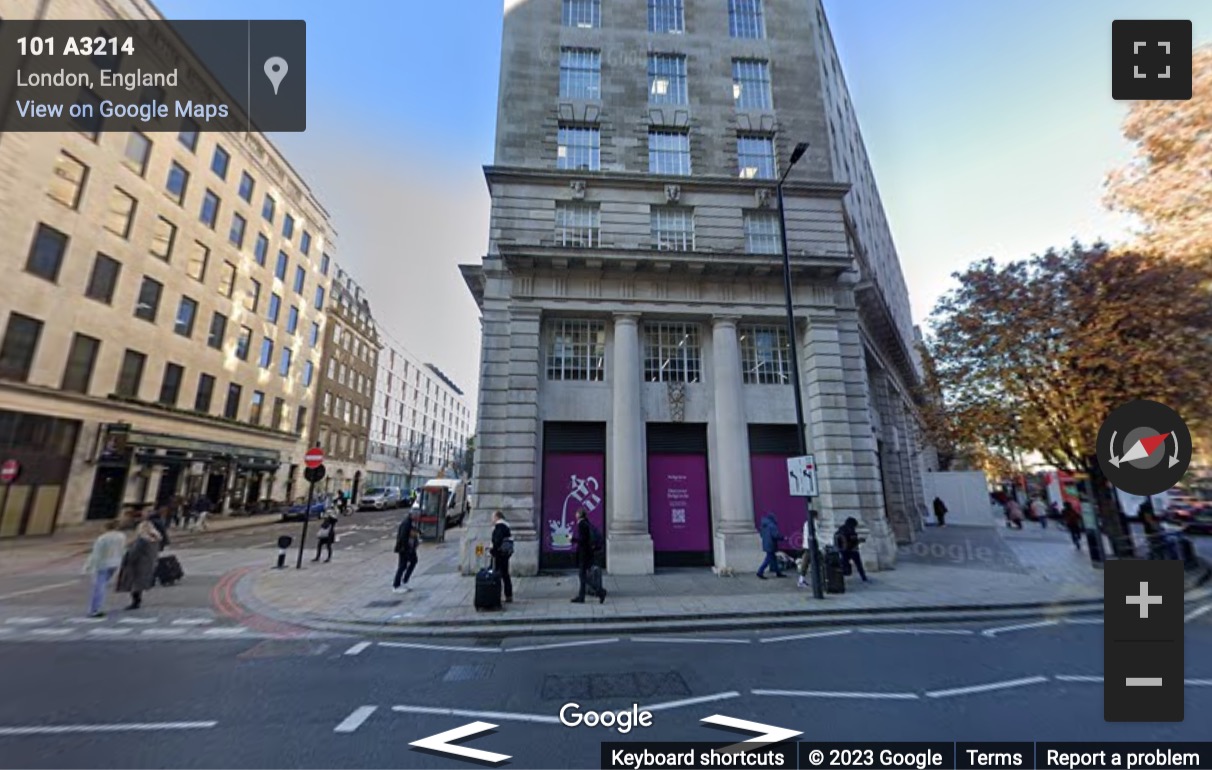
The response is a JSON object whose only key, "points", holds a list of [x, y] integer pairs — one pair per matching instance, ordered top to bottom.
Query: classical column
{"points": [[628, 543], [737, 545]]}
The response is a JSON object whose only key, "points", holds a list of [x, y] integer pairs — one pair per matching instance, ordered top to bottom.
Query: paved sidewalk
{"points": [[954, 567]]}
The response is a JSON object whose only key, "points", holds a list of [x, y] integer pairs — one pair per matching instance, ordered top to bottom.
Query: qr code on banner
{"points": [[679, 515]]}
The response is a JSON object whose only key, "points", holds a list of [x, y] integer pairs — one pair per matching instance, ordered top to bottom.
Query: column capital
{"points": [[626, 317], [724, 319]]}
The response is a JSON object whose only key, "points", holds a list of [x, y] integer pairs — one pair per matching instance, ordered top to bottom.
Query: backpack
{"points": [[506, 548]]}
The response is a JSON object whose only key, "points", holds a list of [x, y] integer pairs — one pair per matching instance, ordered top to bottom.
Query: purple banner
{"points": [[571, 481], [772, 492], [679, 511]]}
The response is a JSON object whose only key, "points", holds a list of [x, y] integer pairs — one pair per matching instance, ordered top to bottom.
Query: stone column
{"points": [[628, 543], [737, 545]]}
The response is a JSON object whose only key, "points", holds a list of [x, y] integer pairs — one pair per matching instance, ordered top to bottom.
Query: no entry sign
{"points": [[314, 457], [9, 471]]}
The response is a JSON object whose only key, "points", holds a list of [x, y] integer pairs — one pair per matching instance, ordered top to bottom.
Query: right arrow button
{"points": [[767, 734]]}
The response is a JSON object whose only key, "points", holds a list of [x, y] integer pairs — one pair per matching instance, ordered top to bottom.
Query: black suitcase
{"points": [[168, 570], [835, 575], [488, 590]]}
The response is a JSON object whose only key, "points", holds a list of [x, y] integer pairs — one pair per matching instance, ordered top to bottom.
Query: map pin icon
{"points": [[275, 70]]}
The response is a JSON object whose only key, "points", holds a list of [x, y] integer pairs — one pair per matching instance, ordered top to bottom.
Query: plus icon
{"points": [[1151, 59], [1144, 600]]}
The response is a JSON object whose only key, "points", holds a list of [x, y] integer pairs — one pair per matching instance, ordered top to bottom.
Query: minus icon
{"points": [[1143, 681]]}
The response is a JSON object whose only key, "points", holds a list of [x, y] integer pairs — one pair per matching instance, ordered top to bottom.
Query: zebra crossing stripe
{"points": [[193, 621], [51, 631], [109, 631], [163, 631], [225, 631]]}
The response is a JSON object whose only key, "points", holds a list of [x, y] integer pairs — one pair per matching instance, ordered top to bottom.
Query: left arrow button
{"points": [[443, 743]]}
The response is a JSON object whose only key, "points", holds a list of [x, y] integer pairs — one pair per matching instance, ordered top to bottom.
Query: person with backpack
{"points": [[327, 535], [408, 537], [588, 541], [847, 542], [501, 551]]}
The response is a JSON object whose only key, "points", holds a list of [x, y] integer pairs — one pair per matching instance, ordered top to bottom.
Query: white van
{"points": [[456, 498]]}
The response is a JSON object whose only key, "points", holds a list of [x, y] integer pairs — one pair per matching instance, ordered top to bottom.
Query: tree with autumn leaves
{"points": [[1032, 355]]}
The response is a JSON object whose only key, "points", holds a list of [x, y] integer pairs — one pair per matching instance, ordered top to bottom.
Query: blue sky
{"points": [[990, 125]]}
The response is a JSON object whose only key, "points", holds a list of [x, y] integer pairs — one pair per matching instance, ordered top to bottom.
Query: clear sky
{"points": [[990, 125]]}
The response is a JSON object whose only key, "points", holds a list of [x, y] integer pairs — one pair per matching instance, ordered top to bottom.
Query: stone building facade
{"points": [[160, 315], [635, 358]]}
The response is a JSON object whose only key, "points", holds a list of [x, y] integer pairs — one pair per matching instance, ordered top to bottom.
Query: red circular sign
{"points": [[314, 457], [9, 471]]}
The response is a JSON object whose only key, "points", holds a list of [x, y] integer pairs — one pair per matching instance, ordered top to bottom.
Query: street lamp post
{"points": [[818, 589]]}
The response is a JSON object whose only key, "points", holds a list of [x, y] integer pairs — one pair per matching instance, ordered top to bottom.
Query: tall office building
{"points": [[160, 316], [635, 357]]}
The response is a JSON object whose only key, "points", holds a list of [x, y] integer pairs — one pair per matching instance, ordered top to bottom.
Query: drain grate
{"points": [[385, 603], [285, 648], [469, 673], [631, 684]]}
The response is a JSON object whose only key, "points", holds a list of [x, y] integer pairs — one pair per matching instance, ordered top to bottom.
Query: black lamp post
{"points": [[818, 588]]}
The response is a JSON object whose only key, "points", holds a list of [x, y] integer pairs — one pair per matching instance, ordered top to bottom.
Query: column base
{"points": [[738, 552], [629, 554]]}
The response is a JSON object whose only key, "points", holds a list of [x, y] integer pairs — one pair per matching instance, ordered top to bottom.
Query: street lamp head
{"points": [[798, 152]]}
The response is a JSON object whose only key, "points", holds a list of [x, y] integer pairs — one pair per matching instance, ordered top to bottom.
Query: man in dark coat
{"points": [[940, 511], [328, 535], [408, 537], [847, 542], [770, 545], [502, 550], [138, 570], [587, 572]]}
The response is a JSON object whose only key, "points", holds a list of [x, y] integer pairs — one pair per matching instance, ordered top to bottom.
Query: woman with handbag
{"points": [[327, 535], [502, 550], [138, 570]]}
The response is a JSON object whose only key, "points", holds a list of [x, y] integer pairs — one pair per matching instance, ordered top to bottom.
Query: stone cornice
{"points": [[657, 182], [529, 256]]}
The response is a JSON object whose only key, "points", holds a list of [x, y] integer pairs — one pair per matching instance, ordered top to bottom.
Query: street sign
{"points": [[314, 457], [9, 471], [315, 474], [801, 476]]}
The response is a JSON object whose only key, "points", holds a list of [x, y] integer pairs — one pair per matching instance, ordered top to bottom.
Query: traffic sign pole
{"points": [[311, 490]]}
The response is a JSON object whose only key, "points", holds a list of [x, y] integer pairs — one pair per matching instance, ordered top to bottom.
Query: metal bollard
{"points": [[283, 543]]}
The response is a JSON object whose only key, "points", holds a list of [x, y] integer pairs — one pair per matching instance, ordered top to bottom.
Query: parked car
{"points": [[407, 497], [380, 499], [296, 511], [1193, 514]]}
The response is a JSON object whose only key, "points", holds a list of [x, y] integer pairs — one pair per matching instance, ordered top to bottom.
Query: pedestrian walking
{"points": [[343, 503], [940, 511], [1039, 513], [1014, 514], [159, 519], [1073, 522], [769, 529], [326, 536], [408, 537], [588, 541], [847, 542], [502, 550], [102, 563], [804, 563], [138, 570]]}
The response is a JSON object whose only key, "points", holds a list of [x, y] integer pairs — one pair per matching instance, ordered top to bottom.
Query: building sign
{"points": [[571, 482], [771, 493], [679, 511]]}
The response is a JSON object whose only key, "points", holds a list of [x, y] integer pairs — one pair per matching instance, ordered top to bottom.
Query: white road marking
{"points": [[40, 589], [1196, 613], [26, 621], [82, 621], [138, 621], [193, 621], [1084, 621], [52, 631], [109, 631], [164, 631], [225, 631], [918, 631], [991, 632], [813, 635], [675, 640], [558, 645], [443, 648], [357, 649], [1078, 678], [1198, 682], [987, 687], [826, 694], [673, 704], [500, 715], [355, 719], [115, 728], [445, 743]]}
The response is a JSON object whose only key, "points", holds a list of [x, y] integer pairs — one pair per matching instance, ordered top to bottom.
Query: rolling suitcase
{"points": [[168, 570], [835, 575], [488, 590]]}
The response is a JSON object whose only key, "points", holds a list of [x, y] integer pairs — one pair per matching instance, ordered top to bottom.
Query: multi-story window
{"points": [[586, 14], [666, 16], [745, 19], [580, 73], [667, 79], [751, 84], [88, 119], [188, 137], [579, 148], [138, 150], [668, 152], [755, 156], [220, 161], [178, 180], [67, 183], [247, 185], [268, 206], [210, 209], [120, 213], [577, 224], [288, 227], [673, 228], [762, 232], [236, 234], [164, 235], [305, 242], [261, 249], [46, 253], [198, 257], [324, 260], [280, 269], [103, 279], [227, 279], [300, 279], [319, 298], [252, 299], [148, 303], [275, 307], [187, 311], [292, 320], [218, 330], [313, 338], [244, 343], [19, 346], [576, 350], [671, 352], [267, 353], [765, 355], [81, 359], [284, 362], [309, 370], [130, 375], [170, 384], [205, 393], [327, 402], [231, 408], [254, 412], [279, 413], [300, 419]]}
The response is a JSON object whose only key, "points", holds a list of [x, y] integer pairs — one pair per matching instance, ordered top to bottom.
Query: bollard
{"points": [[283, 543]]}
